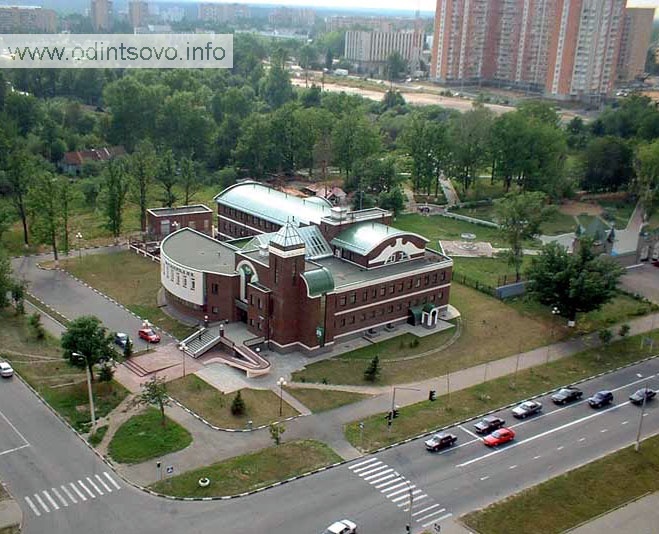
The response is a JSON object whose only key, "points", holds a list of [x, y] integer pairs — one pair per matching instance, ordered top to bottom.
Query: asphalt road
{"points": [[73, 299], [40, 458]]}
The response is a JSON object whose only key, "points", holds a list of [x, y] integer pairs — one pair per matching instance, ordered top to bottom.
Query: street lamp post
{"points": [[79, 238], [554, 311], [183, 348], [281, 383], [89, 387], [393, 405], [637, 446]]}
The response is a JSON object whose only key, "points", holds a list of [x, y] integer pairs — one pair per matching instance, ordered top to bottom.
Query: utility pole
{"points": [[89, 388], [637, 447], [409, 520]]}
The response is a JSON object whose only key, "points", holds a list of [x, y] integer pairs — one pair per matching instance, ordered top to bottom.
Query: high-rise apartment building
{"points": [[138, 13], [220, 13], [101, 15], [14, 19], [635, 42], [564, 48], [370, 50]]}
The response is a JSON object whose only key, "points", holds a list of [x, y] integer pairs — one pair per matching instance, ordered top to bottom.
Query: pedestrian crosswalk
{"points": [[78, 491], [401, 491]]}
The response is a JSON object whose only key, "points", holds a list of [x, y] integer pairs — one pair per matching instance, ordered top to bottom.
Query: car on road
{"points": [[149, 334], [121, 339], [5, 370], [643, 393], [565, 395], [601, 398], [526, 409], [488, 424], [499, 437], [440, 441], [341, 527]]}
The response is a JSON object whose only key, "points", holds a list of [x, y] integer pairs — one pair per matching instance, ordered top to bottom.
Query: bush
{"points": [[36, 327], [624, 330], [605, 335], [128, 349], [373, 370], [106, 373], [238, 405], [98, 435]]}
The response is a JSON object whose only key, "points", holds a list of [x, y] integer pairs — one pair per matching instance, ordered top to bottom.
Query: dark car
{"points": [[121, 339], [644, 393], [565, 395], [601, 398], [526, 409], [489, 424], [440, 441]]}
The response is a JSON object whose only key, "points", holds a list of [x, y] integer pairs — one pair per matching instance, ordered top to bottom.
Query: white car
{"points": [[5, 370], [527, 408], [341, 527]]}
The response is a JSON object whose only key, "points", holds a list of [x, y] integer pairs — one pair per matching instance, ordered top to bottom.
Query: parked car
{"points": [[150, 335], [121, 339], [5, 370], [643, 393], [565, 395], [601, 398], [527, 408], [488, 424], [499, 437], [440, 441], [341, 527]]}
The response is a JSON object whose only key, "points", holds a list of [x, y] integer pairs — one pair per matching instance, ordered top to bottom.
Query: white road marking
{"points": [[639, 375], [645, 414], [624, 422], [604, 430], [472, 434], [542, 435], [582, 439], [26, 442], [560, 448], [14, 449], [537, 457], [362, 463], [513, 466], [367, 467], [374, 470], [106, 474], [380, 474], [485, 478], [378, 480], [91, 483], [388, 483], [75, 488], [107, 488], [407, 489], [386, 490], [69, 495], [92, 495], [59, 496], [400, 498], [50, 500], [41, 503], [34, 508], [426, 510], [436, 512], [446, 516]]}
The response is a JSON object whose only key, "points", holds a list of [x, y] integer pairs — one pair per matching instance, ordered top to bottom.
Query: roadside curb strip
{"points": [[51, 312], [234, 430]]}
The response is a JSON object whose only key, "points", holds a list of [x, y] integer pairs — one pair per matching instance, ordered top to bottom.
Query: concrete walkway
{"points": [[450, 193], [11, 516], [638, 517]]}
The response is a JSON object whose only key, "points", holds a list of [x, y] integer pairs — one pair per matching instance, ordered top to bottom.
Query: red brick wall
{"points": [[184, 220], [228, 289]]}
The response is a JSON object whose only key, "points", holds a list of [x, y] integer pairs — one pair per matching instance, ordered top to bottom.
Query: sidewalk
{"points": [[638, 517]]}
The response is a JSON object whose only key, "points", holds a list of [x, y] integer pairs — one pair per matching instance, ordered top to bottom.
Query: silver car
{"points": [[5, 370], [527, 408]]}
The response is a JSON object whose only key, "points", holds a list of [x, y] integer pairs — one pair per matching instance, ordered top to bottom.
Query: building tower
{"points": [[101, 15]]}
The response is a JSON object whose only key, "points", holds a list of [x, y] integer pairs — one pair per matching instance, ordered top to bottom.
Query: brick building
{"points": [[163, 221], [309, 275]]}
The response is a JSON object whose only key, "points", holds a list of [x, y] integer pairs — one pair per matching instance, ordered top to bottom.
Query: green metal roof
{"points": [[272, 205], [363, 238], [319, 282]]}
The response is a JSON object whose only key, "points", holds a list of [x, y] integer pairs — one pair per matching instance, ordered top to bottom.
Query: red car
{"points": [[148, 334], [499, 437]]}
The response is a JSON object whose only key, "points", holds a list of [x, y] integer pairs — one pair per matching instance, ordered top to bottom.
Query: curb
{"points": [[39, 254], [51, 312], [235, 430]]}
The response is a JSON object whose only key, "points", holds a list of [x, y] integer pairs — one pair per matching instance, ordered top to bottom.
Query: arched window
{"points": [[397, 256]]}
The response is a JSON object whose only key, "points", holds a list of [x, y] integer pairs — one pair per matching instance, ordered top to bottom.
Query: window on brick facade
{"points": [[443, 275], [434, 278], [426, 279], [417, 282], [409, 284], [400, 287], [214, 289], [392, 289], [383, 291], [375, 293], [441, 295], [365, 296], [353, 298], [432, 298], [251, 300], [342, 300], [259, 302], [400, 306], [391, 309], [215, 310], [372, 313], [363, 317], [352, 320], [343, 321]]}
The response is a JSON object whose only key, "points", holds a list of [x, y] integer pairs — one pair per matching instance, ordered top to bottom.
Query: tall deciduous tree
{"points": [[276, 88], [354, 138], [254, 151], [608, 164], [142, 167], [21, 169], [166, 176], [647, 176], [189, 181], [116, 186], [45, 200], [519, 217], [6, 281], [573, 283], [87, 337], [154, 393]]}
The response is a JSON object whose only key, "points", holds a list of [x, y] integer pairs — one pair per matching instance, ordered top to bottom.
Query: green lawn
{"points": [[481, 189], [621, 210], [484, 213], [586, 220], [558, 223], [437, 228], [489, 271], [132, 280], [490, 330], [321, 400], [262, 406], [425, 416], [144, 436], [252, 471], [575, 497]]}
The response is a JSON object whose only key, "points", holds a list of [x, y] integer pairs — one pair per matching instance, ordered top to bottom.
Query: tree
{"points": [[308, 56], [395, 65], [276, 88], [354, 138], [254, 151], [608, 164], [142, 167], [19, 176], [166, 176], [189, 180], [646, 185], [116, 186], [67, 195], [45, 198], [393, 200], [519, 217], [6, 219], [6, 281], [574, 283], [18, 289], [34, 321], [624, 330], [605, 336], [86, 337], [128, 349], [373, 370], [106, 372], [154, 393], [238, 405], [276, 432]]}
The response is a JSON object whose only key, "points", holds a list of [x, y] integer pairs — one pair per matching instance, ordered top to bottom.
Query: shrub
{"points": [[36, 327], [624, 330], [373, 370], [106, 373], [238, 405]]}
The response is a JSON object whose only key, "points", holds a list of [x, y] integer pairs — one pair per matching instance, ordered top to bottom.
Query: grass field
{"points": [[481, 189], [620, 209], [437, 228], [487, 270], [130, 279], [486, 335], [40, 363], [321, 400], [262, 406], [425, 416], [144, 436], [251, 471], [575, 497]]}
